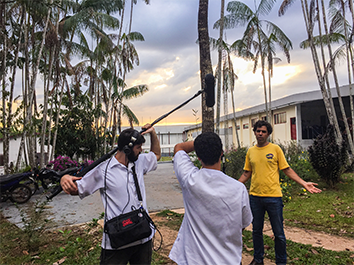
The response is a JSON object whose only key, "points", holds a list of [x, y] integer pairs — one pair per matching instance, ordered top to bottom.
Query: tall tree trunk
{"points": [[351, 8], [205, 63], [333, 66], [14, 68], [263, 74], [232, 89], [4, 92], [218, 95], [270, 96], [45, 108], [226, 108], [331, 116], [235, 121], [56, 124], [33, 145]]}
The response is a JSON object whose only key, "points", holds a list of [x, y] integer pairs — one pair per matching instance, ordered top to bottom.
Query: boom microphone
{"points": [[209, 90], [209, 101]]}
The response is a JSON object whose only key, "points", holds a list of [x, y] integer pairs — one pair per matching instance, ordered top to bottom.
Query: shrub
{"points": [[327, 157], [195, 159], [298, 159], [235, 160], [61, 163]]}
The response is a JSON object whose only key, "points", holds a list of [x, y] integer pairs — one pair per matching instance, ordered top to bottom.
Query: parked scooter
{"points": [[50, 179], [30, 181], [13, 187]]}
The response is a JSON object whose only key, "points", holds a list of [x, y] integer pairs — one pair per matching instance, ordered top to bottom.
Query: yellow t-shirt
{"points": [[265, 163]]}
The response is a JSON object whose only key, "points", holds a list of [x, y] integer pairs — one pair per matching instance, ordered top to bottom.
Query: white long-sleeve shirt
{"points": [[121, 191], [216, 210]]}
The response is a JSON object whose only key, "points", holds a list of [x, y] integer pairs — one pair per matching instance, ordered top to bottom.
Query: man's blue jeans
{"points": [[274, 207]]}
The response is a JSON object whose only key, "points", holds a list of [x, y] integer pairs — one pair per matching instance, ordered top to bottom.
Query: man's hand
{"points": [[147, 128], [155, 144], [68, 184], [310, 187]]}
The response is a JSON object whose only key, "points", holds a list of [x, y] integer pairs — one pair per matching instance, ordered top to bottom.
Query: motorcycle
{"points": [[50, 179], [30, 181], [14, 187]]}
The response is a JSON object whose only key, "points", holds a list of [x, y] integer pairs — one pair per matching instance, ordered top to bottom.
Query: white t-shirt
{"points": [[121, 191], [216, 210]]}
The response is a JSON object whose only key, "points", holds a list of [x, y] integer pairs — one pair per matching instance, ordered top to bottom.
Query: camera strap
{"points": [[140, 198]]}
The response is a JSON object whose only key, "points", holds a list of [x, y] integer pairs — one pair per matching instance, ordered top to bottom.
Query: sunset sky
{"points": [[169, 60]]}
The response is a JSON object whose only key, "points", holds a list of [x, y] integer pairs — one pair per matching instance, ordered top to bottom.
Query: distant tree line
{"points": [[83, 68]]}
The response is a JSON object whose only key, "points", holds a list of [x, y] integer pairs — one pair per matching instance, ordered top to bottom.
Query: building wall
{"points": [[281, 131]]}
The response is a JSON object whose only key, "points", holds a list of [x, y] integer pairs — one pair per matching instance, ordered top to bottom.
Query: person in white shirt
{"points": [[121, 193], [216, 206]]}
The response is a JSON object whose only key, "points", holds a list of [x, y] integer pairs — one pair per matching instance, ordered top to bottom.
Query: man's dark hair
{"points": [[261, 123], [125, 138], [208, 147]]}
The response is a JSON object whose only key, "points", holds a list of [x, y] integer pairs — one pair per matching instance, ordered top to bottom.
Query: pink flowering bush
{"points": [[62, 162]]}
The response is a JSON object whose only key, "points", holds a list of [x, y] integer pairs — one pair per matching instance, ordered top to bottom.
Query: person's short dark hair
{"points": [[261, 123], [125, 138], [208, 147]]}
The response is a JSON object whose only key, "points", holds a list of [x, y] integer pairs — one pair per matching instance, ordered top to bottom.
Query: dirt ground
{"points": [[298, 235], [169, 236]]}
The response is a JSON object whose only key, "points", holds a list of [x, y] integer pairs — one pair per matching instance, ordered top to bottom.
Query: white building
{"points": [[299, 117]]}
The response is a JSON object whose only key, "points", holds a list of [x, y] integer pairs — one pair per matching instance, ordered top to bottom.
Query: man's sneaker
{"points": [[253, 262]]}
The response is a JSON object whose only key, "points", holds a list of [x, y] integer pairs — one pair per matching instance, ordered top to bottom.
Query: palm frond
{"points": [[284, 6], [264, 7], [239, 15], [135, 36], [324, 39], [135, 91], [127, 112]]}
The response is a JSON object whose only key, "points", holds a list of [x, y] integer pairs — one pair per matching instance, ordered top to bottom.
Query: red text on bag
{"points": [[126, 222]]}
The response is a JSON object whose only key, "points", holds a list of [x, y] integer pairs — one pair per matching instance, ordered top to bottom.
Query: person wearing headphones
{"points": [[114, 179]]}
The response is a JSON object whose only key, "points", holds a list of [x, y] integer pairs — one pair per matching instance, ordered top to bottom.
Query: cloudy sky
{"points": [[169, 60]]}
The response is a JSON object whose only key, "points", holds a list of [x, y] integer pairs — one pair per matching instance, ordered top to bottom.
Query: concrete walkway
{"points": [[162, 192]]}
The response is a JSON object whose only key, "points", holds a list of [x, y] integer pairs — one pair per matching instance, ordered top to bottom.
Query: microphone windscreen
{"points": [[209, 90]]}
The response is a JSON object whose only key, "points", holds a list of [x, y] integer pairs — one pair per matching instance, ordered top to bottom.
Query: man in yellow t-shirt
{"points": [[263, 163]]}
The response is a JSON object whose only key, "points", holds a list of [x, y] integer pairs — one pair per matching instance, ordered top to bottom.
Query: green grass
{"points": [[165, 158], [331, 211], [173, 220], [76, 246], [299, 254]]}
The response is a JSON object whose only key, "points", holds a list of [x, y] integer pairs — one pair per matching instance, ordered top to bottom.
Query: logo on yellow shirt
{"points": [[269, 156]]}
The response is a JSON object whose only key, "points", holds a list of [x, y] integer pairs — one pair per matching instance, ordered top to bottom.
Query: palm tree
{"points": [[312, 15], [340, 28], [256, 43], [271, 60], [205, 63], [219, 66], [229, 78], [120, 95]]}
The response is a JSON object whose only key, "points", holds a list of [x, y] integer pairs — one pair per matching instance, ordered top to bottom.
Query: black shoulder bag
{"points": [[129, 227]]}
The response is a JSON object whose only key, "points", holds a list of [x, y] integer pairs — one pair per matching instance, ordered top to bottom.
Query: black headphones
{"points": [[127, 149]]}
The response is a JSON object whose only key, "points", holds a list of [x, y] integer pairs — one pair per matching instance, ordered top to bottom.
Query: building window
{"points": [[264, 118], [280, 118], [253, 121], [245, 126], [237, 127]]}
